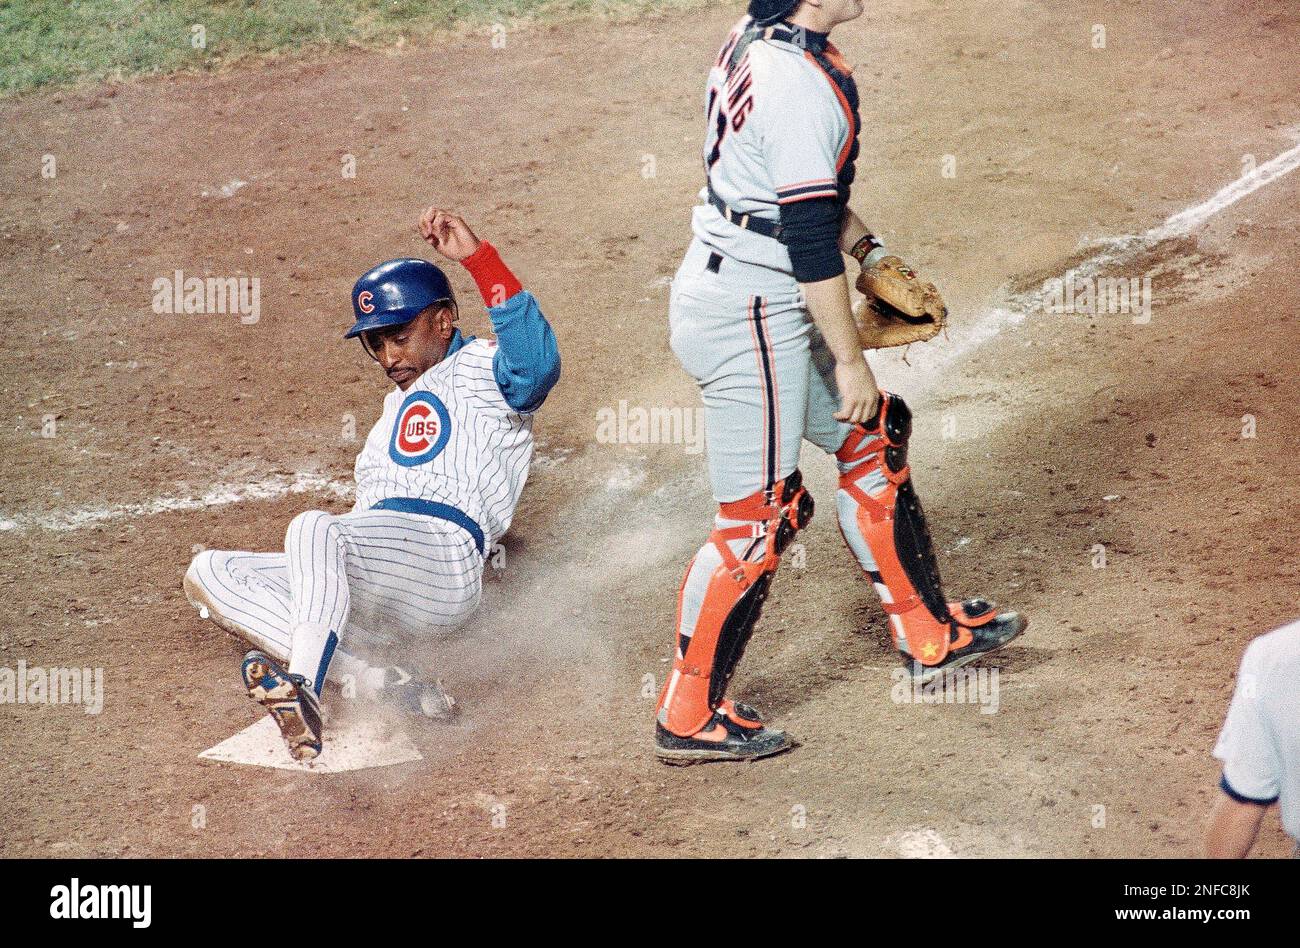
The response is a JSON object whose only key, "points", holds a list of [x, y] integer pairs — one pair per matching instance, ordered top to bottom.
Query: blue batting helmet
{"points": [[395, 292]]}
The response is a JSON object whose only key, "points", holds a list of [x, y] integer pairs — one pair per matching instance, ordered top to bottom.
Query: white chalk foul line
{"points": [[1184, 222], [1110, 253], [219, 495]]}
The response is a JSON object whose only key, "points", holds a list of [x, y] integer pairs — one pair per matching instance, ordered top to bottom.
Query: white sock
{"points": [[311, 652]]}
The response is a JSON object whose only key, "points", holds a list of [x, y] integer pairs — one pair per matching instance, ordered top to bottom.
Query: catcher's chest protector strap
{"points": [[823, 52], [894, 526], [733, 601]]}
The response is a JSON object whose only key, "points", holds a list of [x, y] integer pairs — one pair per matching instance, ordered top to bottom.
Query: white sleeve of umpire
{"points": [[1249, 755]]}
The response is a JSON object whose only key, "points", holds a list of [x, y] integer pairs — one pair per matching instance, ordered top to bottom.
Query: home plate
{"points": [[350, 744], [920, 844]]}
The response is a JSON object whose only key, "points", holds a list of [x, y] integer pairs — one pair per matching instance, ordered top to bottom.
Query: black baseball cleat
{"points": [[987, 634], [290, 701], [735, 732]]}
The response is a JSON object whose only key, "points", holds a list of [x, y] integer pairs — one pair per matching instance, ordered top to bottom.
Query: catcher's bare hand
{"points": [[448, 233], [859, 393]]}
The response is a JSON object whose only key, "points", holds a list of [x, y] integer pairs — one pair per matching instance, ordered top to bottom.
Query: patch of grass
{"points": [[60, 42]]}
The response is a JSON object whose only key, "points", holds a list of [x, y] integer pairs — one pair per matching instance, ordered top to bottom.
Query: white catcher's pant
{"points": [[766, 376], [767, 380], [376, 576]]}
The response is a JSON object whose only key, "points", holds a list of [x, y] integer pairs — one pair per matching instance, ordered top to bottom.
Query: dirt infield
{"points": [[1129, 483]]}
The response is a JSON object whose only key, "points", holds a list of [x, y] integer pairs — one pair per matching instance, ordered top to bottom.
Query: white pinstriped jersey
{"points": [[778, 132], [450, 438]]}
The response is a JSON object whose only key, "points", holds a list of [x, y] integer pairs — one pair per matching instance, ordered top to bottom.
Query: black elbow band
{"points": [[811, 232], [1242, 798]]}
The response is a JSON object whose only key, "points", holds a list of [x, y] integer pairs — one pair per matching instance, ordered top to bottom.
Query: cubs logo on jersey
{"points": [[422, 430]]}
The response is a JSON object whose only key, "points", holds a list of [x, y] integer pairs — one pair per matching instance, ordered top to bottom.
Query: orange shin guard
{"points": [[923, 625], [705, 661]]}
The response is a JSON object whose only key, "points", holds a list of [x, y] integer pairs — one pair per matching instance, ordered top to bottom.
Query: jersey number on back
{"points": [[730, 105]]}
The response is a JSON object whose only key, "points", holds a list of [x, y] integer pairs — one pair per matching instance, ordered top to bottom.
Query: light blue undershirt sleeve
{"points": [[527, 362]]}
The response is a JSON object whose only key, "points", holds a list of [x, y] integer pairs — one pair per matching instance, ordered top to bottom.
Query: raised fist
{"points": [[448, 234]]}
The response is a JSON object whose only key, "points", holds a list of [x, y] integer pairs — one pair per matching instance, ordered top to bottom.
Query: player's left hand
{"points": [[448, 233], [899, 309]]}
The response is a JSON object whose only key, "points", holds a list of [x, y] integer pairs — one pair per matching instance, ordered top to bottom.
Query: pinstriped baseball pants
{"points": [[374, 575]]}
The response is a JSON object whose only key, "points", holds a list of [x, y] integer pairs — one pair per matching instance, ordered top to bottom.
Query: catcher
{"points": [[760, 316]]}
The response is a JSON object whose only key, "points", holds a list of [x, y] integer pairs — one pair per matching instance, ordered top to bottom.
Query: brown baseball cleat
{"points": [[289, 700]]}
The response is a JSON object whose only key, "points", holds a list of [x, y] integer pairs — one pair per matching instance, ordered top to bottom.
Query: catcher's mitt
{"points": [[899, 309]]}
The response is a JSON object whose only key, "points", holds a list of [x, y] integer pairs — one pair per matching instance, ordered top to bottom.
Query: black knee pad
{"points": [[898, 431], [797, 511]]}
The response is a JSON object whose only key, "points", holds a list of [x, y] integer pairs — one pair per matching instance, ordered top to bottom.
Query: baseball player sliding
{"points": [[760, 316], [436, 483]]}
